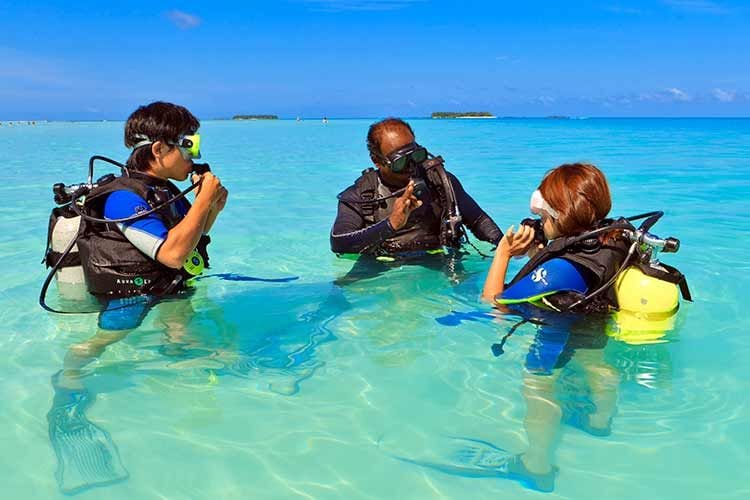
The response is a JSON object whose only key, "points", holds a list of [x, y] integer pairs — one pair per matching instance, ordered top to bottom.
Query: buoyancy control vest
{"points": [[427, 227], [598, 260], [602, 260], [114, 267]]}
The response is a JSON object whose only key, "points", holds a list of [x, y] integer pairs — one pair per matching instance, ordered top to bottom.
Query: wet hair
{"points": [[159, 121], [377, 129], [580, 194]]}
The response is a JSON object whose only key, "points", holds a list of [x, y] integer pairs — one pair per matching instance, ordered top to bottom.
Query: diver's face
{"points": [[391, 141], [170, 162], [548, 225]]}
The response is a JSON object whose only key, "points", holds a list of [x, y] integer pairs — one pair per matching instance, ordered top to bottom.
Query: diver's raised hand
{"points": [[210, 189], [221, 201], [403, 206], [516, 243]]}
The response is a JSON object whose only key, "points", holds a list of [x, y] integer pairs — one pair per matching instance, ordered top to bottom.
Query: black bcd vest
{"points": [[423, 231], [598, 260], [114, 267]]}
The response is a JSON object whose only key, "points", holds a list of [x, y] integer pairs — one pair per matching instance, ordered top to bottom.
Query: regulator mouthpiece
{"points": [[201, 168]]}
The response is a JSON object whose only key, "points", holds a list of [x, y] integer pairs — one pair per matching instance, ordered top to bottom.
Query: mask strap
{"points": [[145, 141]]}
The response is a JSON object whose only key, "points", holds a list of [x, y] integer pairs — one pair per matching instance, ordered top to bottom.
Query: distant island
{"points": [[466, 114], [255, 117], [557, 117]]}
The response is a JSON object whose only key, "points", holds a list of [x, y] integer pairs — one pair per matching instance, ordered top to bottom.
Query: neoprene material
{"points": [[554, 276]]}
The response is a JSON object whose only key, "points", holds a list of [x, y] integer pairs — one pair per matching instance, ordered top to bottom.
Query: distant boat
{"points": [[299, 119], [325, 119]]}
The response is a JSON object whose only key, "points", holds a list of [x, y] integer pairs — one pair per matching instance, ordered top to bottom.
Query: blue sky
{"points": [[367, 58]]}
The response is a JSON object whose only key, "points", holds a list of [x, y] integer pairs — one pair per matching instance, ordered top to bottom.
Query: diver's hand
{"points": [[210, 189], [222, 200], [219, 203], [403, 206], [516, 243]]}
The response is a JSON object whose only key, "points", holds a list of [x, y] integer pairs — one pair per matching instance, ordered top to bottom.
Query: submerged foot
{"points": [[579, 416], [86, 455], [480, 459], [516, 470]]}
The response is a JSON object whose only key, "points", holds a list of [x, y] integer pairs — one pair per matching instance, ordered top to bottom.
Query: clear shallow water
{"points": [[308, 388]]}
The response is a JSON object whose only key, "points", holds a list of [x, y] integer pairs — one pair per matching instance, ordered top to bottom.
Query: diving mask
{"points": [[189, 145], [400, 159], [539, 205]]}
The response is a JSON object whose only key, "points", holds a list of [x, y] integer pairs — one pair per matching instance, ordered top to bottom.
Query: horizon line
{"points": [[420, 117]]}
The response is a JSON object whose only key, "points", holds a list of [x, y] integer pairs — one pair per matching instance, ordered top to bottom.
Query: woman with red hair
{"points": [[572, 200], [571, 274]]}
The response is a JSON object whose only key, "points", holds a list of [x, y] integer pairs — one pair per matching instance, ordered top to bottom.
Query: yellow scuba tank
{"points": [[648, 307]]}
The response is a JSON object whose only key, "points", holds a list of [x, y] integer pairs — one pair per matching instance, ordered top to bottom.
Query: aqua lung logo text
{"points": [[137, 281]]}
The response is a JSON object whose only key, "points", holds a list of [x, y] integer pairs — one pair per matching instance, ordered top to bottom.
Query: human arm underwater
{"points": [[476, 219], [183, 238], [511, 244]]}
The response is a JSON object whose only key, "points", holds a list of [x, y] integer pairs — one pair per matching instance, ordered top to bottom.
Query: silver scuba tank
{"points": [[64, 231]]}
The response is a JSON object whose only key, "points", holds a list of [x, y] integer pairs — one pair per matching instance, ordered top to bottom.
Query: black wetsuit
{"points": [[365, 228]]}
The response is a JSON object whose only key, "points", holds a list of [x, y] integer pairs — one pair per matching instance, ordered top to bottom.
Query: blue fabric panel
{"points": [[555, 275]]}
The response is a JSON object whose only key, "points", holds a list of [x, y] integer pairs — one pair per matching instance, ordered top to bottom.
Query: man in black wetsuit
{"points": [[409, 205]]}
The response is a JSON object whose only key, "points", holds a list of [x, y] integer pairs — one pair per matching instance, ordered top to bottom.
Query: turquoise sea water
{"points": [[310, 389]]}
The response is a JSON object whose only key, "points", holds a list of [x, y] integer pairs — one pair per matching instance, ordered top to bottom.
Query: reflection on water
{"points": [[195, 332], [572, 373]]}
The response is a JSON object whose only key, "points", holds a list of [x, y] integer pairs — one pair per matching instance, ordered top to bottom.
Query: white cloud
{"points": [[360, 5], [700, 6], [183, 20], [672, 94], [678, 95], [724, 95], [545, 100]]}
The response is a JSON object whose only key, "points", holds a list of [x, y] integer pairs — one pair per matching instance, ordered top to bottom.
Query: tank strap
{"points": [[71, 260], [669, 274]]}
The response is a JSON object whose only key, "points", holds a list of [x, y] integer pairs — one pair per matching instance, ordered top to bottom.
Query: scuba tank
{"points": [[63, 229], [62, 235], [62, 251], [648, 291]]}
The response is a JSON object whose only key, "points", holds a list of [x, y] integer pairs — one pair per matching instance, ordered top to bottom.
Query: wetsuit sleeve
{"points": [[476, 219], [146, 234], [351, 235]]}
